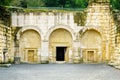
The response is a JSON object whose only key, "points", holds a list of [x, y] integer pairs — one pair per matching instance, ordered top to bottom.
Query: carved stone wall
{"points": [[91, 34], [30, 40], [5, 42], [115, 58]]}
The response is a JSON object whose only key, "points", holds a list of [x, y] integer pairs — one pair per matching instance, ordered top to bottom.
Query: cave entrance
{"points": [[60, 53]]}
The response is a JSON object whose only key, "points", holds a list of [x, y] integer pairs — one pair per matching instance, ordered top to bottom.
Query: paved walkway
{"points": [[59, 72]]}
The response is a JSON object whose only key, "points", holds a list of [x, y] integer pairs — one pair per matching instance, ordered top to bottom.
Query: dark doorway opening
{"points": [[60, 53]]}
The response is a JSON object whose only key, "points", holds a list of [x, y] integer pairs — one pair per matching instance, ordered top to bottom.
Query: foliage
{"points": [[5, 2], [15, 2], [23, 3], [35, 3], [46, 3], [51, 3], [54, 3], [66, 3], [81, 3], [115, 4], [116, 15], [5, 16], [80, 18]]}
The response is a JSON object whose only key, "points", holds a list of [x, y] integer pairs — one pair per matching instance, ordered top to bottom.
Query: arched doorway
{"points": [[60, 41], [92, 43], [30, 45]]}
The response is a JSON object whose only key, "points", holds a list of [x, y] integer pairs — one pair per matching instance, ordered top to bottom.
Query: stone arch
{"points": [[60, 26], [28, 28], [82, 31], [60, 35], [32, 36], [91, 37], [62, 39], [29, 45], [92, 46]]}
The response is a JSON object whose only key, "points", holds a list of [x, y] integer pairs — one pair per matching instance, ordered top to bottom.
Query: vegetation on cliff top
{"points": [[46, 3], [54, 3]]}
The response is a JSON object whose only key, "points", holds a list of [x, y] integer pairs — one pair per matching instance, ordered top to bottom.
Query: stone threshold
{"points": [[60, 62], [5, 65]]}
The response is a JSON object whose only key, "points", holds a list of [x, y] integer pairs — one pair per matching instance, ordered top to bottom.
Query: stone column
{"points": [[107, 50], [44, 52], [70, 55], [17, 57], [76, 57]]}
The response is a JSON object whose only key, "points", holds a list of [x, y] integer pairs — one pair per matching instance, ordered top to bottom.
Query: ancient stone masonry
{"points": [[100, 18], [43, 25], [5, 35], [42, 36], [5, 40], [115, 61]]}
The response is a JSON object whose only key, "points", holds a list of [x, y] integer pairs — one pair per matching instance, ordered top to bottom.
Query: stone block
{"points": [[0, 59], [76, 59], [17, 60], [44, 60], [5, 65], [117, 67]]}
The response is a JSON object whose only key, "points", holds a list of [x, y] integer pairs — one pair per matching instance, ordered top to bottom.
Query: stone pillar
{"points": [[44, 52], [100, 54], [70, 56], [17, 57], [76, 57]]}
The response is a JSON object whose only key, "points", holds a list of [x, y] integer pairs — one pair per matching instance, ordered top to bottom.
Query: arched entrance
{"points": [[60, 41], [92, 43], [30, 44]]}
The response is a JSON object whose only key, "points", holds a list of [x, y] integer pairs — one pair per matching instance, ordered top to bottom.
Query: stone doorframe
{"points": [[66, 53], [85, 53], [35, 54], [52, 55]]}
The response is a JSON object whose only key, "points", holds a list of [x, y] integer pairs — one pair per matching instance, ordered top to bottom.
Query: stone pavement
{"points": [[59, 72]]}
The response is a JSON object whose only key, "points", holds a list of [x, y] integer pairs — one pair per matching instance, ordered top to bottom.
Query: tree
{"points": [[5, 2], [15, 2], [35, 3], [46, 3], [51, 3], [62, 3], [81, 3], [23, 4], [115, 4]]}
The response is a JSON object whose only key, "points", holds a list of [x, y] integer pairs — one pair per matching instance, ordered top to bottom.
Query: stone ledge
{"points": [[44, 62], [112, 64], [5, 65], [117, 67]]}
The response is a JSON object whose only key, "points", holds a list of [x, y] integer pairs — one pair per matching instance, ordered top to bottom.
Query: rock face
{"points": [[69, 36], [5, 40], [115, 61]]}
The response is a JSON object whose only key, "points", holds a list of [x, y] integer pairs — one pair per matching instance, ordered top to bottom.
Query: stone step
{"points": [[113, 60], [60, 62], [113, 63], [5, 65], [118, 66]]}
